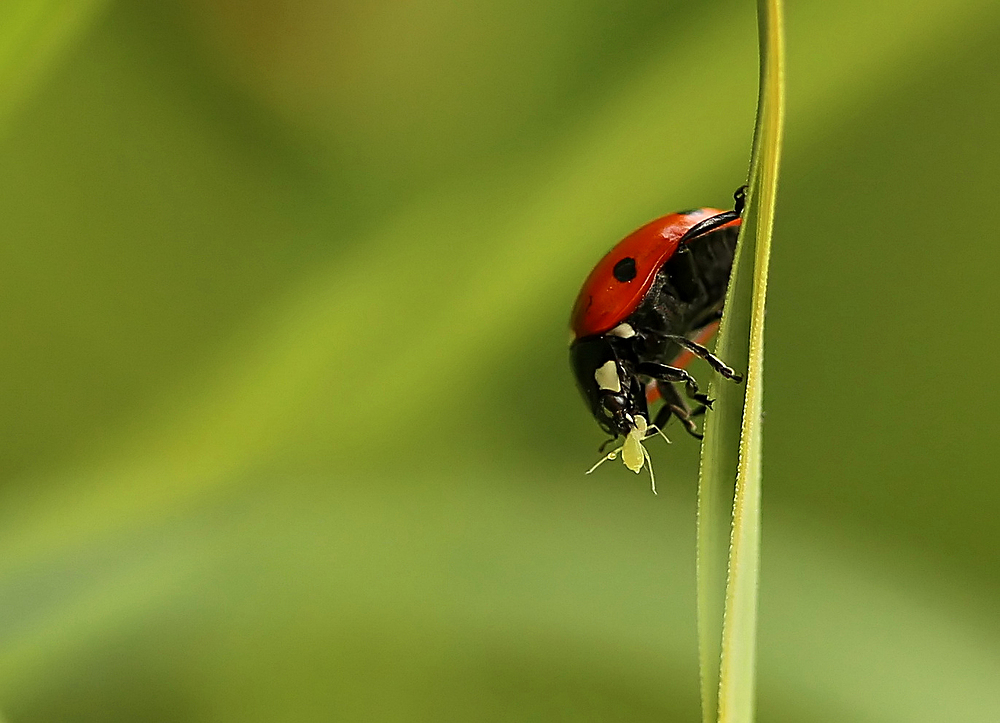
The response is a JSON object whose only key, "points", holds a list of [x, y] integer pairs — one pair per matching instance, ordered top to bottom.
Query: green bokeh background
{"points": [[286, 428]]}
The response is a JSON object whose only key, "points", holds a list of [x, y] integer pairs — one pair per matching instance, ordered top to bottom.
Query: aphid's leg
{"points": [[698, 350], [664, 373], [674, 405], [654, 430], [611, 440], [613, 454], [649, 466]]}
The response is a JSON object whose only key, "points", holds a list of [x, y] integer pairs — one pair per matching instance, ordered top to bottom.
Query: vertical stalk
{"points": [[730, 481]]}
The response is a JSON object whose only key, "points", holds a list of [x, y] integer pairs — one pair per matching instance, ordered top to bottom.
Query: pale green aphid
{"points": [[633, 452]]}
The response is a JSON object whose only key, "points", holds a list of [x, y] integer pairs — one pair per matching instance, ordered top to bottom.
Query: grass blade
{"points": [[730, 480]]}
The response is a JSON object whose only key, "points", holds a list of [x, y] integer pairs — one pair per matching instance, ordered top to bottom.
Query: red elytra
{"points": [[604, 301]]}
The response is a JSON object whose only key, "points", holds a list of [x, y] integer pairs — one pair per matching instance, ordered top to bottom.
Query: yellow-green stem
{"points": [[727, 621]]}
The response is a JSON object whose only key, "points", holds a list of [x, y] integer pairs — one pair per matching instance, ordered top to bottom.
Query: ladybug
{"points": [[643, 313]]}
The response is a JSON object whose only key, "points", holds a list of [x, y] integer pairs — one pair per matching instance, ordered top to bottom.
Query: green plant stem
{"points": [[728, 574]]}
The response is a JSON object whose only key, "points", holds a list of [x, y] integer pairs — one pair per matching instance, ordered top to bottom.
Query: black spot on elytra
{"points": [[624, 270]]}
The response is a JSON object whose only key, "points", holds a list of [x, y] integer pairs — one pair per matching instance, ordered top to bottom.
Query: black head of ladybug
{"points": [[607, 380]]}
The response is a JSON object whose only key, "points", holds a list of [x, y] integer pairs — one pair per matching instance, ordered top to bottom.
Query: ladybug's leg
{"points": [[710, 224], [693, 272], [698, 350], [664, 373], [674, 405]]}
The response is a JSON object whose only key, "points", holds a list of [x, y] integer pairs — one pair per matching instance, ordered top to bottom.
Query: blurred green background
{"points": [[286, 425]]}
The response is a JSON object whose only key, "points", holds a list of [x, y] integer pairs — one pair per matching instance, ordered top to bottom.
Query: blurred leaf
{"points": [[34, 35], [358, 487], [432, 600]]}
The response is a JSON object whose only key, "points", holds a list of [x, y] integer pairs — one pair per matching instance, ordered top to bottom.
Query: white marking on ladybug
{"points": [[623, 330], [607, 379]]}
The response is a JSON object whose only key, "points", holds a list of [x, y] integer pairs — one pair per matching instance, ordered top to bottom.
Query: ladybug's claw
{"points": [[740, 199], [717, 221], [666, 376], [702, 399], [679, 409], [693, 430]]}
